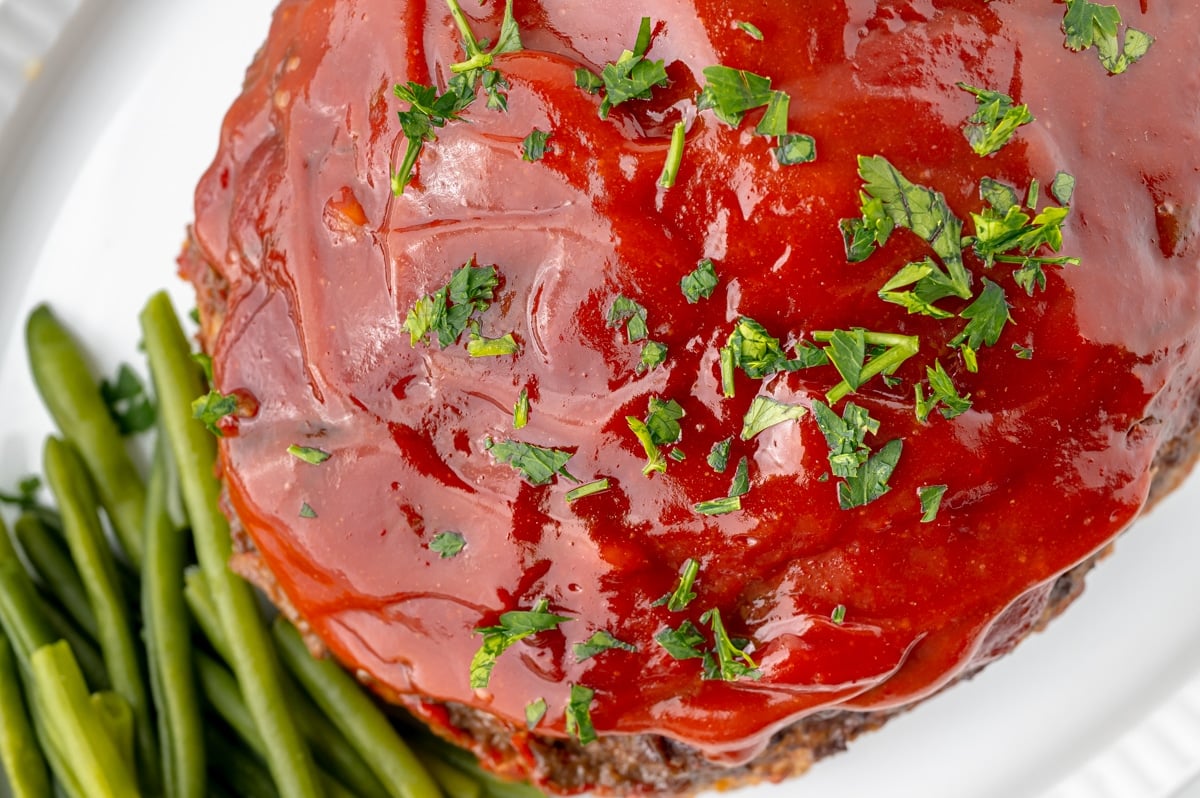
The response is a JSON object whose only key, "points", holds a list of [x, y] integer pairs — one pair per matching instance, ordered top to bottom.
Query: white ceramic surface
{"points": [[107, 134]]}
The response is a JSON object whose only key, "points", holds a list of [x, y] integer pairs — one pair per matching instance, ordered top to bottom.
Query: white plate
{"points": [[97, 165]]}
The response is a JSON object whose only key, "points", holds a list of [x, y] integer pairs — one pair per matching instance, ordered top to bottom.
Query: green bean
{"points": [[73, 398], [71, 486], [52, 563], [21, 609], [169, 645], [83, 646], [254, 660], [221, 690], [357, 716], [75, 726], [330, 748], [433, 748], [22, 758], [240, 771], [454, 782]]}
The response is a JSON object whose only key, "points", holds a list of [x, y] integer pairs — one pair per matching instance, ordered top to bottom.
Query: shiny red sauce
{"points": [[323, 265]]}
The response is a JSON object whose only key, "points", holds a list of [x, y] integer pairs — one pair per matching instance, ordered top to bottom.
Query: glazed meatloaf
{"points": [[653, 396]]}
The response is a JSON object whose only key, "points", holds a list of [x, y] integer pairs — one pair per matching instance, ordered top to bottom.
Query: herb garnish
{"points": [[1087, 24], [750, 29], [478, 64], [631, 77], [730, 93], [995, 120], [533, 148], [674, 156], [1005, 233], [700, 282], [447, 312], [632, 314], [986, 317], [479, 346], [851, 353], [942, 392], [128, 401], [211, 408], [521, 410], [766, 412], [660, 428], [308, 454], [718, 456], [537, 464], [864, 473], [741, 478], [589, 489], [931, 501], [723, 506], [306, 511], [447, 544], [683, 594], [838, 616], [514, 625], [602, 640], [681, 643], [728, 661], [535, 710], [579, 714]]}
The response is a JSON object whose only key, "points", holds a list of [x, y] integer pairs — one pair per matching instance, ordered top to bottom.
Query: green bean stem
{"points": [[177, 381], [73, 398], [71, 485], [52, 563], [169, 644], [350, 710], [23, 762]]}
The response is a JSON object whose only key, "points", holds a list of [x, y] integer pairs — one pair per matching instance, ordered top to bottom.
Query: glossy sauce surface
{"points": [[324, 264]]}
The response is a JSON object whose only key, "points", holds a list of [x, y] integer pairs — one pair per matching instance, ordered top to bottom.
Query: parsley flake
{"points": [[1087, 24], [750, 29], [631, 77], [730, 93], [995, 120], [533, 148], [795, 148], [674, 156], [700, 282], [447, 312], [630, 313], [986, 317], [478, 346], [849, 350], [757, 352], [653, 355], [942, 392], [211, 408], [521, 410], [766, 412], [660, 428], [308, 454], [718, 456], [536, 464], [864, 473], [741, 479], [589, 489], [931, 501], [723, 506], [306, 511], [447, 544], [683, 594], [838, 616], [514, 626], [599, 642], [682, 643], [728, 661], [535, 710], [579, 714]]}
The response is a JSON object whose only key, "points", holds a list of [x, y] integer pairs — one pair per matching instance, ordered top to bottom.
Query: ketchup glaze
{"points": [[321, 265]]}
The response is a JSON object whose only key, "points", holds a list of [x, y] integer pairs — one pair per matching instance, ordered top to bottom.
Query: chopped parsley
{"points": [[1087, 24], [750, 29], [477, 66], [631, 77], [730, 93], [427, 111], [995, 120], [533, 148], [795, 148], [674, 156], [1062, 187], [890, 200], [700, 282], [447, 312], [630, 313], [986, 317], [479, 346], [757, 352], [1023, 352], [853, 354], [653, 355], [942, 392], [128, 402], [212, 407], [521, 410], [766, 412], [660, 428], [308, 454], [677, 454], [718, 456], [536, 464], [864, 473], [741, 478], [589, 489], [931, 501], [723, 506], [306, 511], [447, 544], [682, 595], [838, 616], [514, 626], [598, 642], [682, 643], [728, 661], [535, 710], [579, 714]]}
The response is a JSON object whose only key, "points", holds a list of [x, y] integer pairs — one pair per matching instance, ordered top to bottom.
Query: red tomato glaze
{"points": [[323, 265]]}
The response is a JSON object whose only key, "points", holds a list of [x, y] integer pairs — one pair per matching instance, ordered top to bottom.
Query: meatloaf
{"points": [[653, 397]]}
